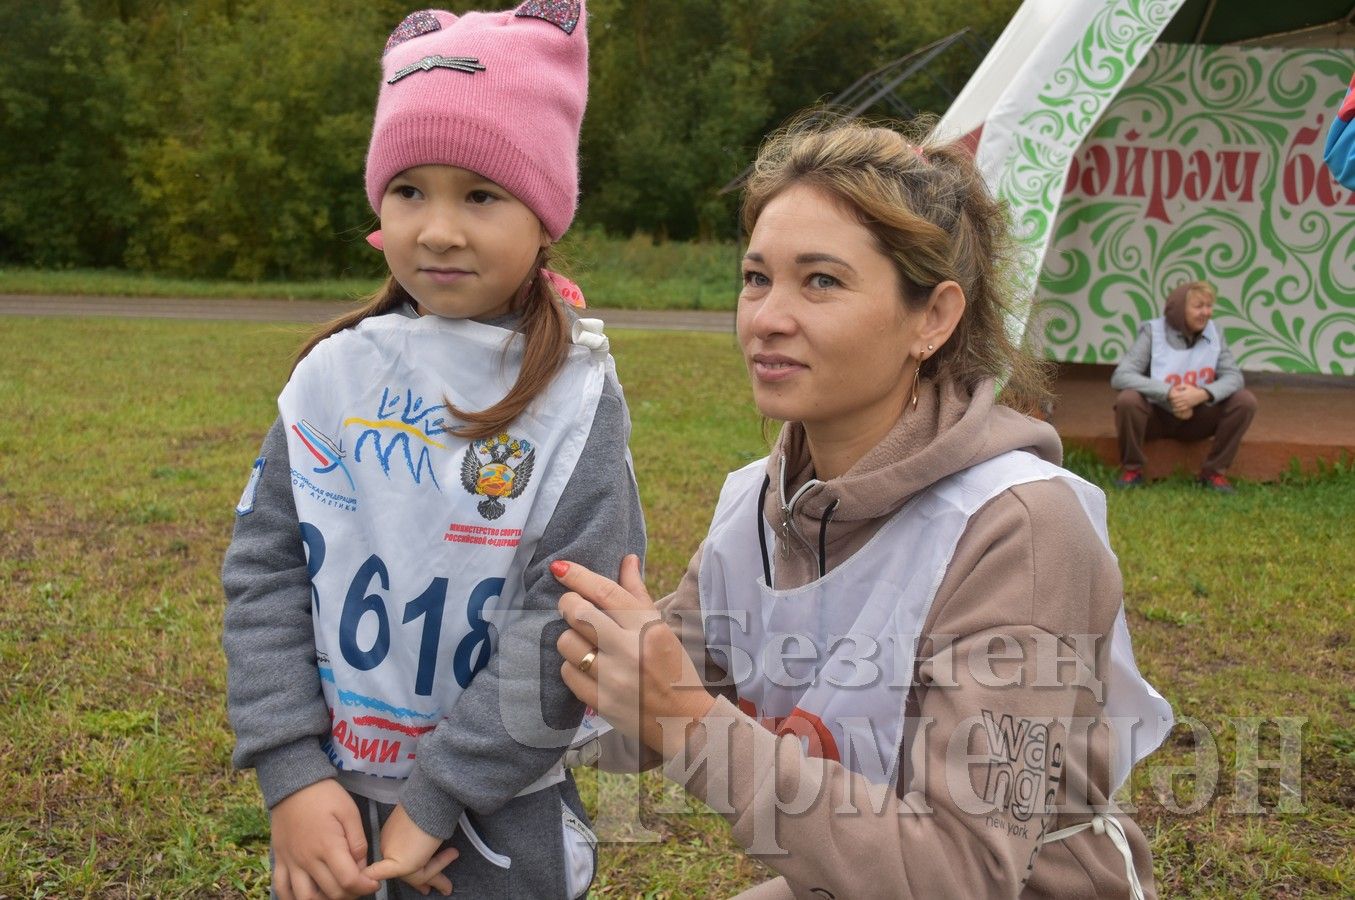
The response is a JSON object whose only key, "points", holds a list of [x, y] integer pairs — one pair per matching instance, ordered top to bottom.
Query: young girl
{"points": [[393, 675]]}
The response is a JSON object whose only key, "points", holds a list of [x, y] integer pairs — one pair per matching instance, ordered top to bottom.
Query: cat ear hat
{"points": [[501, 94]]}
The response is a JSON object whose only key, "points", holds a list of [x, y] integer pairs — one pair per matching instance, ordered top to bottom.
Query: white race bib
{"points": [[417, 539], [832, 661]]}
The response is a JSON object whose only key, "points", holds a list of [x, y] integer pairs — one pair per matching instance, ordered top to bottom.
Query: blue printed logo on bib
{"points": [[402, 430], [330, 455]]}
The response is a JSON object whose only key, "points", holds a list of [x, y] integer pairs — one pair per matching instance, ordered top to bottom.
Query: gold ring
{"points": [[587, 662]]}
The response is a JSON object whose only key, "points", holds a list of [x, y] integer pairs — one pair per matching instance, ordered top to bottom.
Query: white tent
{"points": [[1139, 143]]}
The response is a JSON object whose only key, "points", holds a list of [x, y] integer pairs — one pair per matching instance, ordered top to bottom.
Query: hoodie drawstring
{"points": [[762, 530], [823, 538], [1111, 828]]}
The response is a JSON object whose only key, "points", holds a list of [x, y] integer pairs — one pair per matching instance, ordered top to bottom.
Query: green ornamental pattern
{"points": [[1064, 112], [1209, 165]]}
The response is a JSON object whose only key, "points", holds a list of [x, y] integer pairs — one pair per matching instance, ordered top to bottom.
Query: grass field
{"points": [[615, 273], [124, 449]]}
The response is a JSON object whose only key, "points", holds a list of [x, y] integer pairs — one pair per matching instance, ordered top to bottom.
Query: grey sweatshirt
{"points": [[1132, 373], [471, 760]]}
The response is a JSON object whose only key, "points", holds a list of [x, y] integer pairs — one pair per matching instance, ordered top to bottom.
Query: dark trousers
{"points": [[1137, 420]]}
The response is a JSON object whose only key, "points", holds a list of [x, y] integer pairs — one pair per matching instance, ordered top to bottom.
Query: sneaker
{"points": [[1130, 477], [1215, 481]]}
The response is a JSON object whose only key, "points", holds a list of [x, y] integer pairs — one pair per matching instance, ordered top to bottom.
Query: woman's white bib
{"points": [[832, 661]]}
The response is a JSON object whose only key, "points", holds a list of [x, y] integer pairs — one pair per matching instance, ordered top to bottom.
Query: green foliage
{"points": [[684, 90], [673, 105], [63, 135], [226, 138], [259, 173], [640, 273], [121, 283]]}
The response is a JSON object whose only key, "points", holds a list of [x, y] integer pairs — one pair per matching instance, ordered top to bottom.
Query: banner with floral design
{"points": [[1076, 65], [1208, 164]]}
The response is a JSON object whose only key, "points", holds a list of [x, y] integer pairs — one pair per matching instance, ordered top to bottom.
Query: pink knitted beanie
{"points": [[501, 94]]}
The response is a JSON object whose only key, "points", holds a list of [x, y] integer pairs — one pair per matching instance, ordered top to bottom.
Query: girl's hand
{"points": [[641, 679], [318, 845], [411, 854]]}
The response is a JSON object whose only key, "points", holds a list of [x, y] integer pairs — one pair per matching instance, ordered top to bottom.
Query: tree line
{"points": [[226, 138]]}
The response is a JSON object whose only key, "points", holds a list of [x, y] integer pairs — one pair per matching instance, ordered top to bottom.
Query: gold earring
{"points": [[917, 373]]}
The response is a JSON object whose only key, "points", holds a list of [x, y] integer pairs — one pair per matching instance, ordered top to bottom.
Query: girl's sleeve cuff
{"points": [[287, 769]]}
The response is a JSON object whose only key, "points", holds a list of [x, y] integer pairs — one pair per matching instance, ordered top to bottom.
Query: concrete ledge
{"points": [[1301, 418], [1255, 461]]}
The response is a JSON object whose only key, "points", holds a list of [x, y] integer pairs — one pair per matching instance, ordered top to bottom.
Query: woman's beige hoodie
{"points": [[1028, 570]]}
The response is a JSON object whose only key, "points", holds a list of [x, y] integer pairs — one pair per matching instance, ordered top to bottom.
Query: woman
{"points": [[1179, 380], [910, 624]]}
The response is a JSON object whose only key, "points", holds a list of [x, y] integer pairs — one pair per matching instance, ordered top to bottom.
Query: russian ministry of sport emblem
{"points": [[488, 470]]}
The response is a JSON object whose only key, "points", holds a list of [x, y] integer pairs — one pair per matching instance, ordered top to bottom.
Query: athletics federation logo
{"points": [[323, 448], [486, 471]]}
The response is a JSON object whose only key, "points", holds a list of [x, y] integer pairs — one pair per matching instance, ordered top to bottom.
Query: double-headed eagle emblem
{"points": [[487, 472]]}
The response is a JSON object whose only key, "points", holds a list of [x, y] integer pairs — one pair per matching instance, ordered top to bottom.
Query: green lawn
{"points": [[615, 273], [124, 449]]}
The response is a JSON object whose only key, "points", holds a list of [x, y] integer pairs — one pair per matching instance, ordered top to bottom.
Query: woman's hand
{"points": [[640, 678], [318, 845], [411, 854]]}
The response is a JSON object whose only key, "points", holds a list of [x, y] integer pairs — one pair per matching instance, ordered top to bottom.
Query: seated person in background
{"points": [[1180, 381]]}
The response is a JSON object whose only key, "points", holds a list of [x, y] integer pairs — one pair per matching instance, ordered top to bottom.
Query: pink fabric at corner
{"points": [[500, 94], [568, 290]]}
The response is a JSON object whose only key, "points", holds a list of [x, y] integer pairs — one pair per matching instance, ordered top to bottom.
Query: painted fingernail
{"points": [[559, 568]]}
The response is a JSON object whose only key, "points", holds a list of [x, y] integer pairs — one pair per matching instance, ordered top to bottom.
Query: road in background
{"points": [[310, 311]]}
